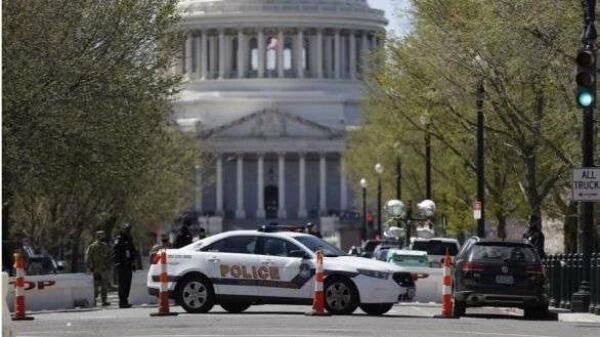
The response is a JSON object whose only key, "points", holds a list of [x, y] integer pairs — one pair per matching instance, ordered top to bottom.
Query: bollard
{"points": [[570, 272], [549, 278], [563, 281], [556, 284], [593, 284], [447, 288], [19, 291], [318, 307], [163, 308]]}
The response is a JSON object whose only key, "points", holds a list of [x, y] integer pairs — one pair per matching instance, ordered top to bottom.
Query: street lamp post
{"points": [[426, 121], [480, 160], [379, 171], [398, 178], [363, 185]]}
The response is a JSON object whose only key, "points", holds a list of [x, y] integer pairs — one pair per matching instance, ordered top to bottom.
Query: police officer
{"points": [[313, 229], [184, 236], [535, 236], [124, 258], [97, 259]]}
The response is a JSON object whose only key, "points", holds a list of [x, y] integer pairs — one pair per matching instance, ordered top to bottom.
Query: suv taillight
{"points": [[471, 267]]}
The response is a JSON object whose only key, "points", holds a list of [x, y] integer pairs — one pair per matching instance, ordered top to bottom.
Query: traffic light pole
{"points": [[580, 300]]}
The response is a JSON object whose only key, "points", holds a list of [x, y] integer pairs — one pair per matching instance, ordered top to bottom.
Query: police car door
{"points": [[233, 260], [289, 277]]}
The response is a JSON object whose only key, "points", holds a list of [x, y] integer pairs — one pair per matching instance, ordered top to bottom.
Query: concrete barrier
{"points": [[428, 289], [55, 291], [138, 294], [6, 321]]}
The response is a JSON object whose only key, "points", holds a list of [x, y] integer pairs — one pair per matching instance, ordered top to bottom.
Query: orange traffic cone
{"points": [[447, 288], [19, 291], [318, 307], [163, 308]]}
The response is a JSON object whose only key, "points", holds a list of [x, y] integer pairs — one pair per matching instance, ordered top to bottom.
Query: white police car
{"points": [[239, 268]]}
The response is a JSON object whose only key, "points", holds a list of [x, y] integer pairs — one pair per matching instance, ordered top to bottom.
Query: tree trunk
{"points": [[570, 228], [501, 230], [75, 249]]}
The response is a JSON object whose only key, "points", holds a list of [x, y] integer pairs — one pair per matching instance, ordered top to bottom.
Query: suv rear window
{"points": [[435, 247], [503, 252]]}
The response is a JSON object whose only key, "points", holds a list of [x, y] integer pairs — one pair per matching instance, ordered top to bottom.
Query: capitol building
{"points": [[272, 87]]}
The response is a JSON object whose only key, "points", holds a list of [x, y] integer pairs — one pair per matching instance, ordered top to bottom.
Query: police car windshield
{"points": [[314, 243]]}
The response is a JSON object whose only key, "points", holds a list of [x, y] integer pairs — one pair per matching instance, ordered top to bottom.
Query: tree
{"points": [[531, 120], [87, 140]]}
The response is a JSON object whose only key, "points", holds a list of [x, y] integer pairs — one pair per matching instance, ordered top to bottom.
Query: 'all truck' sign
{"points": [[586, 184]]}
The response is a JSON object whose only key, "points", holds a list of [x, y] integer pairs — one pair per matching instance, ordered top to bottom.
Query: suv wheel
{"points": [[195, 294], [341, 297], [235, 307], [459, 308], [376, 309], [536, 312]]}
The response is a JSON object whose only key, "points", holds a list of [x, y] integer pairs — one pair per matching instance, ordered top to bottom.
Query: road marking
{"points": [[491, 334]]}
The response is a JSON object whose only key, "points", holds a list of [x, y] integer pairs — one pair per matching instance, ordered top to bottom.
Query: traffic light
{"points": [[586, 78]]}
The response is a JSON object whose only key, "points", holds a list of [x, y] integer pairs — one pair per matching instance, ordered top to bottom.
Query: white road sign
{"points": [[586, 184]]}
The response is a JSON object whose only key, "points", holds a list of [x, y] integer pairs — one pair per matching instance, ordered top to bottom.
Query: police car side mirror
{"points": [[298, 253]]}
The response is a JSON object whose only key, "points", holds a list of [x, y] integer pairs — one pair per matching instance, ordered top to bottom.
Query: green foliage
{"points": [[520, 50], [87, 99]]}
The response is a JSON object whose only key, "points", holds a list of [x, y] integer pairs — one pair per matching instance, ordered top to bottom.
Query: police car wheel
{"points": [[196, 294], [341, 297], [235, 307], [377, 309]]}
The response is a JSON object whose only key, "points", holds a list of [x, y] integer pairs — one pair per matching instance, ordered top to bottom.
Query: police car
{"points": [[237, 269]]}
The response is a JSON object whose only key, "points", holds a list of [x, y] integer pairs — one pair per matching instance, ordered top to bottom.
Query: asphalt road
{"points": [[275, 320]]}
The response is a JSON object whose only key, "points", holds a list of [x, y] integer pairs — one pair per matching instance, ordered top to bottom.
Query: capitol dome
{"points": [[272, 86]]}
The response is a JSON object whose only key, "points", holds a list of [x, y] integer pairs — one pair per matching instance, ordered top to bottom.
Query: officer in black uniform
{"points": [[535, 236], [184, 237], [124, 258]]}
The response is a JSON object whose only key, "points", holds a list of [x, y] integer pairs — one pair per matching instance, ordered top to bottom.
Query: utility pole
{"points": [[586, 99], [480, 159]]}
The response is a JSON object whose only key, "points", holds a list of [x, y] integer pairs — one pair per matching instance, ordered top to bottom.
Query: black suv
{"points": [[500, 274]]}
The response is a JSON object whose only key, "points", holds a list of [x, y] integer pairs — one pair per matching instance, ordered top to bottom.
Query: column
{"points": [[280, 48], [222, 51], [364, 51], [337, 52], [204, 53], [261, 53], [188, 54], [241, 54], [300, 54], [352, 55], [213, 56], [198, 57], [327, 57], [319, 64], [322, 185], [302, 186], [343, 186], [260, 187], [198, 191], [219, 194], [281, 211], [240, 213]]}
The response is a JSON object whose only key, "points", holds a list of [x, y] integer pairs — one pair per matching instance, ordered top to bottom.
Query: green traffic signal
{"points": [[585, 98]]}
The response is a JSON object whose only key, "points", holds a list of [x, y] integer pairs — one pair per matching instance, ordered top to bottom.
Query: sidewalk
{"points": [[565, 315]]}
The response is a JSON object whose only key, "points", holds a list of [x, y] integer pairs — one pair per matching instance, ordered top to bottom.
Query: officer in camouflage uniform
{"points": [[164, 244], [98, 258]]}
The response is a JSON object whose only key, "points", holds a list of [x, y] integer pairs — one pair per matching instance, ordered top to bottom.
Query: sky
{"points": [[395, 12]]}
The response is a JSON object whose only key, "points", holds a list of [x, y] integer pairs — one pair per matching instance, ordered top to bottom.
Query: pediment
{"points": [[271, 123]]}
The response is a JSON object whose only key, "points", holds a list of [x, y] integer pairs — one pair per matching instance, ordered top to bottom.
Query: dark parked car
{"points": [[368, 247], [500, 274]]}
